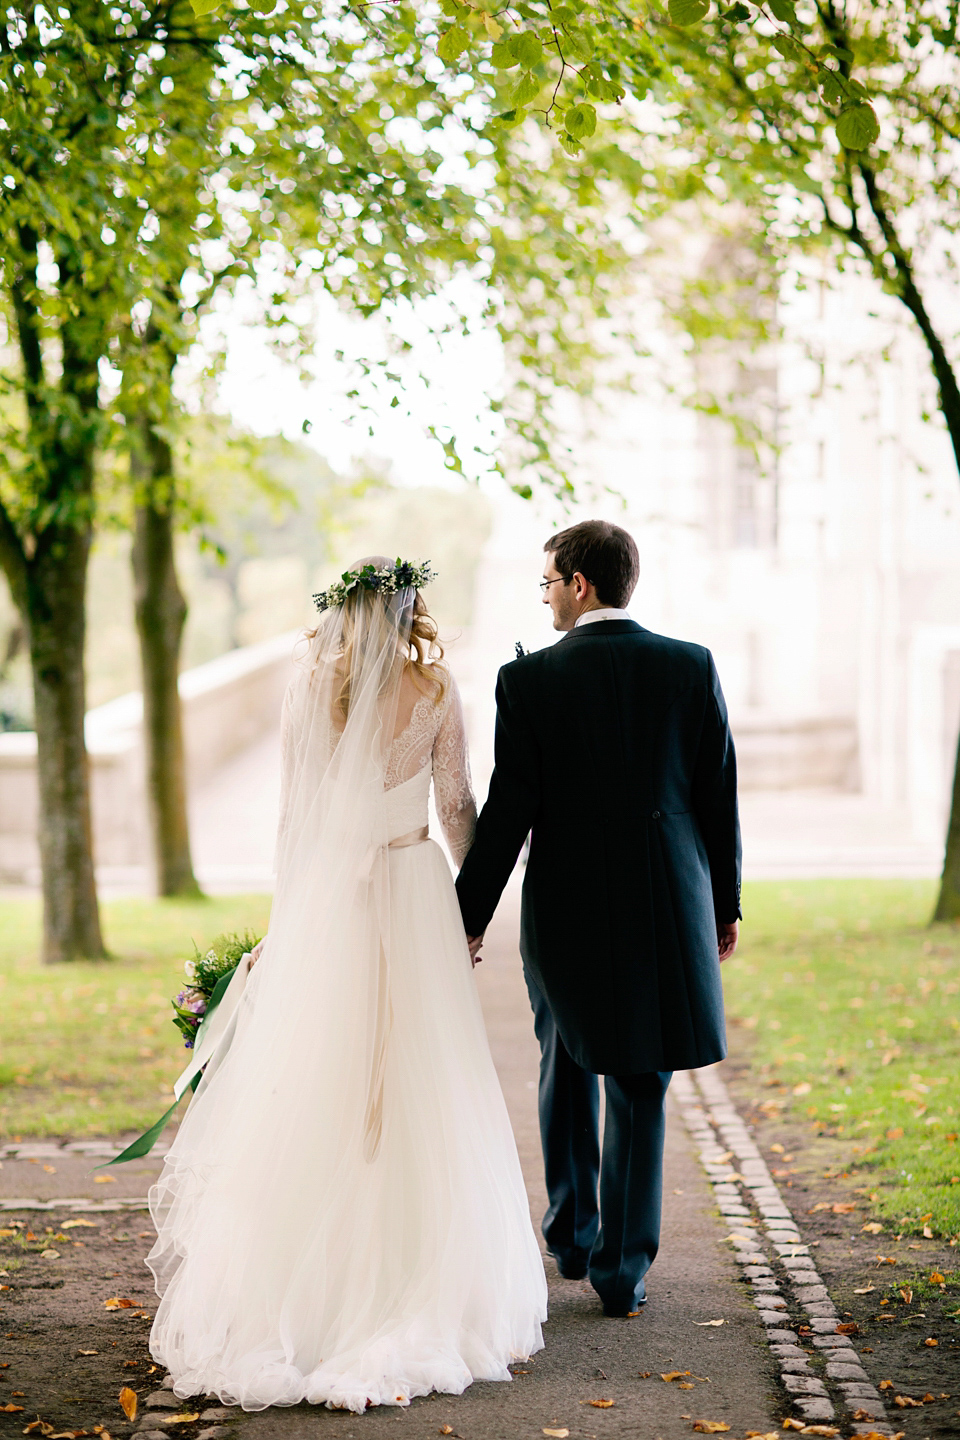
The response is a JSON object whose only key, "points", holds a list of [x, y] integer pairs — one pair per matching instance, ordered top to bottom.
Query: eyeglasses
{"points": [[544, 583]]}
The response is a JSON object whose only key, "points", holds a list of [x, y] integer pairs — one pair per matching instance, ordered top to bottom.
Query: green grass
{"points": [[852, 1002], [89, 1048]]}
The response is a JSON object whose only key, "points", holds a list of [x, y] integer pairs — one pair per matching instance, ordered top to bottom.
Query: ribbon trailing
{"points": [[215, 1029]]}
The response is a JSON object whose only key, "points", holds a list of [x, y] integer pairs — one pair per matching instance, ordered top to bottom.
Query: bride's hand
{"points": [[473, 944], [255, 954]]}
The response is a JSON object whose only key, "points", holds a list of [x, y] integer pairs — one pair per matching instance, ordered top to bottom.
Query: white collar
{"points": [[589, 616]]}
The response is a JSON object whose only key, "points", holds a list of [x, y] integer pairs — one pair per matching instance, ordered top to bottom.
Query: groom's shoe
{"points": [[572, 1264], [618, 1310]]}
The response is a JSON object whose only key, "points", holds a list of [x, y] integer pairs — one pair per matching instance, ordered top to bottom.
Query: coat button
{"points": [[655, 815]]}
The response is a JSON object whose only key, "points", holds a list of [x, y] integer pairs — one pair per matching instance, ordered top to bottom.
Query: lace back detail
{"points": [[412, 749]]}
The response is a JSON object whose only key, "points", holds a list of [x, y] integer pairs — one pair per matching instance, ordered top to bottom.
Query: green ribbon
{"points": [[144, 1143]]}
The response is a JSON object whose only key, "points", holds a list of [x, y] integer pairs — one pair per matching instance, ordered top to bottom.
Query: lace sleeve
{"points": [[452, 787]]}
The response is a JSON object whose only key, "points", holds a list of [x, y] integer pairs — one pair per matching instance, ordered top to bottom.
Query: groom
{"points": [[614, 754]]}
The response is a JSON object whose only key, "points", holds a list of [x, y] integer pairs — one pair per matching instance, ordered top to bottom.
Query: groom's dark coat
{"points": [[614, 753]]}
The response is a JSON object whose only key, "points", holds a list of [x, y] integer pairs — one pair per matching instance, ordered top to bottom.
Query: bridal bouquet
{"points": [[204, 973]]}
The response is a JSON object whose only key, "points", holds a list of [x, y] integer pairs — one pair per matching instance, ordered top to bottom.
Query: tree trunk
{"points": [[56, 586], [160, 614]]}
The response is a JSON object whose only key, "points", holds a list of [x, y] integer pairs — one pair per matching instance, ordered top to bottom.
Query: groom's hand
{"points": [[727, 937], [473, 943]]}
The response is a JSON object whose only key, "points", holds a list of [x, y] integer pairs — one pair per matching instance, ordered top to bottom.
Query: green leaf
{"points": [[204, 7], [784, 10], [688, 12], [736, 14], [452, 43], [578, 43], [527, 48], [789, 48], [838, 52], [502, 55], [831, 87], [528, 88], [511, 118], [581, 120], [857, 127], [572, 147]]}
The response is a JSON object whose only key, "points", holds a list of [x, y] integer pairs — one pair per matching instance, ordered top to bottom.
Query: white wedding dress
{"points": [[341, 1218]]}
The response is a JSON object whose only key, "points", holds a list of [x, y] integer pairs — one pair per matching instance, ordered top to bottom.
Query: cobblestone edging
{"points": [[777, 1265]]}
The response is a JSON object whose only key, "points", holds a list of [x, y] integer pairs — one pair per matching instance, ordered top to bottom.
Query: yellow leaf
{"points": [[492, 28], [803, 1088], [896, 1133], [104, 1179], [842, 1209], [76, 1224], [872, 1227], [927, 1233], [49, 1254], [937, 1279], [864, 1289], [906, 1295], [118, 1302], [709, 1322], [931, 1342], [674, 1375], [686, 1385], [128, 1402], [601, 1404], [10, 1409], [186, 1419], [791, 1424], [710, 1427], [819, 1430], [557, 1434]]}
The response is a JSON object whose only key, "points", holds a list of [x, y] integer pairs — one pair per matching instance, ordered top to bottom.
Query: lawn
{"points": [[844, 1000], [850, 1008], [89, 1048]]}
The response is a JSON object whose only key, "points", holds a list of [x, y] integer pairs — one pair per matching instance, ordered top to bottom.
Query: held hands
{"points": [[727, 937], [473, 944], [255, 954]]}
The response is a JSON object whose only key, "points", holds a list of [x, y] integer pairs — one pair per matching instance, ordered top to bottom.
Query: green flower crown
{"points": [[400, 576]]}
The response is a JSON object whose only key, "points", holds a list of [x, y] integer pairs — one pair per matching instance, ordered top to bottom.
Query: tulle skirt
{"points": [[291, 1265]]}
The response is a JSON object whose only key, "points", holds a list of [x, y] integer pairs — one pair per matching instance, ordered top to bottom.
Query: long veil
{"points": [[314, 1020]]}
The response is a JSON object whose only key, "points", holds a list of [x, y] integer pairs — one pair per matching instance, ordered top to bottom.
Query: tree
{"points": [[300, 129]]}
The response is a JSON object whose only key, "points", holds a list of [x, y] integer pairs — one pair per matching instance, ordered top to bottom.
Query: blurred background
{"points": [[822, 574]]}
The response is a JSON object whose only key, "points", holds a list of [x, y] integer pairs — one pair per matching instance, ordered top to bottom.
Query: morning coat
{"points": [[614, 753]]}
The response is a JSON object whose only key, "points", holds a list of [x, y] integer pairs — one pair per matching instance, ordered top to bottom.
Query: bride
{"points": [[341, 1218]]}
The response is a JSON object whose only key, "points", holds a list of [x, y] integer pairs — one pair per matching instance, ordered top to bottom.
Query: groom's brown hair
{"points": [[603, 554]]}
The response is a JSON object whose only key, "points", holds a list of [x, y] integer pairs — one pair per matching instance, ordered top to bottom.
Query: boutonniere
{"points": [[519, 650]]}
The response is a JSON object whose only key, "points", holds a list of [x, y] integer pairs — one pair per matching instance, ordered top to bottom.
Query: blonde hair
{"points": [[424, 652]]}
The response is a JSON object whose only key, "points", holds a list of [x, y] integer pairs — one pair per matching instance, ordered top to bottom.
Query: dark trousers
{"points": [[616, 1240]]}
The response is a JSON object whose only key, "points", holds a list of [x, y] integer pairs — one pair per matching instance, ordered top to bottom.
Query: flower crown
{"points": [[400, 576]]}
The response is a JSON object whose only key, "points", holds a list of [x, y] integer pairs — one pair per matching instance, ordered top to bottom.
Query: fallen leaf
{"points": [[803, 1088], [896, 1133], [777, 1150], [104, 1179], [820, 1205], [842, 1209], [78, 1224], [872, 1227], [927, 1233], [49, 1254], [886, 1259], [937, 1279], [864, 1289], [906, 1295], [118, 1302], [709, 1322], [849, 1327], [931, 1342], [88, 1352], [645, 1374], [674, 1375], [686, 1385], [885, 1385], [928, 1399], [128, 1402], [906, 1402], [601, 1404], [10, 1409], [859, 1414], [185, 1419], [43, 1426], [710, 1427], [445, 1430], [819, 1430], [557, 1434], [763, 1434]]}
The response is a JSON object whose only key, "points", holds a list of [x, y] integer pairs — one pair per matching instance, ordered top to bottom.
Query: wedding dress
{"points": [[341, 1218]]}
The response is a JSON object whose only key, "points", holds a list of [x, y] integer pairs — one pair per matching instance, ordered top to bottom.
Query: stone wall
{"points": [[228, 704]]}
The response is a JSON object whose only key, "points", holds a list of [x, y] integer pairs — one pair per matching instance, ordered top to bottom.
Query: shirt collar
{"points": [[589, 616]]}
